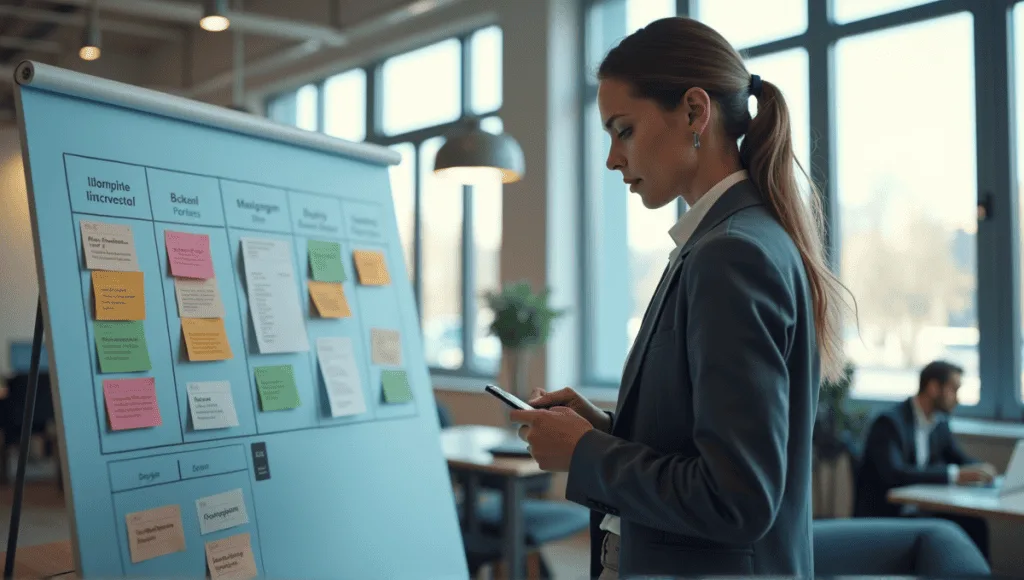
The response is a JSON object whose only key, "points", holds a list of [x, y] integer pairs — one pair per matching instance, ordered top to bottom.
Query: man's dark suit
{"points": [[890, 460], [708, 463]]}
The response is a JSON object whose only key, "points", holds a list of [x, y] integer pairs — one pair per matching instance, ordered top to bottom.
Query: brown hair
{"points": [[670, 56]]}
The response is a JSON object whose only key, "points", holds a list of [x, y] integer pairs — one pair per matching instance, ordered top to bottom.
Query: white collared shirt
{"points": [[681, 232], [923, 427]]}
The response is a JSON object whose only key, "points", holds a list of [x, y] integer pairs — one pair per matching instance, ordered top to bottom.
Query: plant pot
{"points": [[515, 365]]}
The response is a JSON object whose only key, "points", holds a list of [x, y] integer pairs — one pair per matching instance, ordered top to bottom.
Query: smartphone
{"points": [[508, 398]]}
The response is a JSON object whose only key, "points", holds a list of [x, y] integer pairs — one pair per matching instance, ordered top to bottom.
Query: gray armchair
{"points": [[895, 546]]}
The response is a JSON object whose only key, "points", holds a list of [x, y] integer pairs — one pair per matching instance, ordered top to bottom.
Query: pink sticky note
{"points": [[189, 254], [131, 403]]}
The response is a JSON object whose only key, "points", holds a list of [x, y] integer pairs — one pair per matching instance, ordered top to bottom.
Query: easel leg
{"points": [[26, 434]]}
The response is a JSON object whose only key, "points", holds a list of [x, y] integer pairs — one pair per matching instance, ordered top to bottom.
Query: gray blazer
{"points": [[708, 463]]}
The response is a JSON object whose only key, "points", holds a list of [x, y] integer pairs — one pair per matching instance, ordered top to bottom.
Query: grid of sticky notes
{"points": [[200, 307], [119, 314], [160, 531]]}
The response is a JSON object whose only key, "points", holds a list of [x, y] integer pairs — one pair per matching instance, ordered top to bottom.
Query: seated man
{"points": [[912, 443]]}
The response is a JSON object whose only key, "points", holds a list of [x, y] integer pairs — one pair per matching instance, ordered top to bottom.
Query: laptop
{"points": [[1012, 482]]}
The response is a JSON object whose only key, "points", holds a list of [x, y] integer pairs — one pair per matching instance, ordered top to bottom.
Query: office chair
{"points": [[12, 416], [544, 520], [895, 547]]}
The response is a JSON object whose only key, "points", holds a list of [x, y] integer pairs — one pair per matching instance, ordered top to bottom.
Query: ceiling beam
{"points": [[191, 13], [80, 20], [18, 43], [289, 56]]}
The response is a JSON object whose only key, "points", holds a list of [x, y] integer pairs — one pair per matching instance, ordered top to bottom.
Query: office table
{"points": [[465, 448], [970, 501]]}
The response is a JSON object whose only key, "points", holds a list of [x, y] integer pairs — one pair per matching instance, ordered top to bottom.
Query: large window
{"points": [[906, 129], [906, 188], [451, 235]]}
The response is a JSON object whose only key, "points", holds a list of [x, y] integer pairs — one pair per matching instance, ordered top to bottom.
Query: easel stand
{"points": [[23, 445]]}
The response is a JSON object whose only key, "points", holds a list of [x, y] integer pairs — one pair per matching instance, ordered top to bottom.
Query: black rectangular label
{"points": [[260, 463]]}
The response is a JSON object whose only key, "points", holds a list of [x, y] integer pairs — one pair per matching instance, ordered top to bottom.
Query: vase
{"points": [[516, 363]]}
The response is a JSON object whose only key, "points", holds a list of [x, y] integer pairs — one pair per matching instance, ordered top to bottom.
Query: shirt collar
{"points": [[688, 222], [922, 421]]}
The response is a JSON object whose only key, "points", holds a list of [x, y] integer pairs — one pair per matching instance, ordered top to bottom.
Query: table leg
{"points": [[470, 498], [515, 530]]}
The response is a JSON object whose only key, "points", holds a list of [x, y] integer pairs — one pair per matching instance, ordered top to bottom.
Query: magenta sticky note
{"points": [[189, 254], [131, 403]]}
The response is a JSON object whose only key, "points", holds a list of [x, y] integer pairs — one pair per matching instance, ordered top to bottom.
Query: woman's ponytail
{"points": [[767, 153]]}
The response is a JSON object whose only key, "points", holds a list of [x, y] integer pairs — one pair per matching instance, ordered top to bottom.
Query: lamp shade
{"points": [[473, 156]]}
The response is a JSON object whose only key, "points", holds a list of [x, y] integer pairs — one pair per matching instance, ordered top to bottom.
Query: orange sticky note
{"points": [[371, 267], [119, 295], [329, 299], [205, 339], [155, 532], [231, 558]]}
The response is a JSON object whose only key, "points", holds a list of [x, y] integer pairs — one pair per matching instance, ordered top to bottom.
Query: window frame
{"points": [[375, 134], [998, 237]]}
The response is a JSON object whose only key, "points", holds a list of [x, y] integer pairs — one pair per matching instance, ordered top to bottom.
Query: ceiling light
{"points": [[422, 6], [215, 16], [90, 49], [473, 156]]}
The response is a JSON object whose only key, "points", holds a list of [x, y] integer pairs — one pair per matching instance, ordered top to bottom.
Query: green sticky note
{"points": [[325, 260], [122, 346], [276, 385], [396, 387]]}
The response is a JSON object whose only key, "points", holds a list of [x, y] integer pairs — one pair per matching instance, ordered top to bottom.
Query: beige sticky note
{"points": [[109, 247], [371, 267], [119, 295], [198, 298], [329, 299], [205, 339], [385, 347], [155, 532], [231, 558]]}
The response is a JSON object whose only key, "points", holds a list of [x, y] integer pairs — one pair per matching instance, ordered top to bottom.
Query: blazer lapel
{"points": [[740, 196], [636, 355], [909, 433]]}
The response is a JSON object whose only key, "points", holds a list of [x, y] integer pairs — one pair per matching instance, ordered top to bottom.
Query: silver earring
{"points": [[696, 140]]}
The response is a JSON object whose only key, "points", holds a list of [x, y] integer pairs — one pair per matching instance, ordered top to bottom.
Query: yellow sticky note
{"points": [[372, 269], [119, 295], [329, 299], [205, 339], [155, 532]]}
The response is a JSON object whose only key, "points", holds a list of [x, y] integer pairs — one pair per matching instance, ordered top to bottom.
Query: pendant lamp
{"points": [[472, 156]]}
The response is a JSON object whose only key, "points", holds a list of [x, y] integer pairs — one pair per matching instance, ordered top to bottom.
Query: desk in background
{"points": [[465, 447], [969, 501]]}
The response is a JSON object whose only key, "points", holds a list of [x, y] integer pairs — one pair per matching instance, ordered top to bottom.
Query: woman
{"points": [[705, 466]]}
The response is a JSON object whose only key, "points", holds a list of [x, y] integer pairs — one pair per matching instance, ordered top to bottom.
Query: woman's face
{"points": [[651, 147]]}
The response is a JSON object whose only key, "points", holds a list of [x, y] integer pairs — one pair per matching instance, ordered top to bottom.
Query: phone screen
{"points": [[508, 398]]}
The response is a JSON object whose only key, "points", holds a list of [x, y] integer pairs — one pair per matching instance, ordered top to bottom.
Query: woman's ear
{"points": [[697, 104]]}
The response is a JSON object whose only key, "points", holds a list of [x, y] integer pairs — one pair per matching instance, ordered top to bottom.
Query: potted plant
{"points": [[522, 322], [839, 423], [838, 426]]}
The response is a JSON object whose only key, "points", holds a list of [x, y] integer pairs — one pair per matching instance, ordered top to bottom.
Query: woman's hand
{"points": [[567, 397], [552, 435]]}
